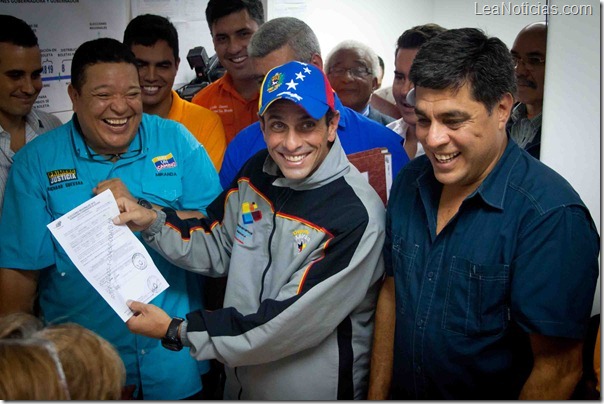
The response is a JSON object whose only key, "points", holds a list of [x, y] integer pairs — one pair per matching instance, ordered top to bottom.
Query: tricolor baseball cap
{"points": [[304, 84]]}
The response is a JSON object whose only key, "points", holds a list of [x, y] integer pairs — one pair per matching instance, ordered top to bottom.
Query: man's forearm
{"points": [[17, 290], [382, 353], [556, 370], [549, 385]]}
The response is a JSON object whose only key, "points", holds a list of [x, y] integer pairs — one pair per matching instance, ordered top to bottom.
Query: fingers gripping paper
{"points": [[110, 257]]}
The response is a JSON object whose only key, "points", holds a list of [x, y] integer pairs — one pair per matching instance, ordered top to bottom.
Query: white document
{"points": [[110, 257]]}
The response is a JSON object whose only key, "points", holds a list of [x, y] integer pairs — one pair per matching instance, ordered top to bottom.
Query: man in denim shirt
{"points": [[491, 257]]}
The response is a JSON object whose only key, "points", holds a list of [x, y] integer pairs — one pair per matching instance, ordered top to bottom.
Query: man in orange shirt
{"points": [[154, 41], [235, 95]]}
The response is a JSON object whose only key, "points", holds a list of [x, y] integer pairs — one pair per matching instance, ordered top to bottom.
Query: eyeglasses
{"points": [[530, 63], [359, 71], [112, 156]]}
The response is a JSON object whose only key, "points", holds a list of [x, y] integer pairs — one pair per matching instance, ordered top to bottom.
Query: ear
{"points": [[317, 60], [177, 63], [374, 84], [73, 95], [503, 109], [261, 120], [333, 127]]}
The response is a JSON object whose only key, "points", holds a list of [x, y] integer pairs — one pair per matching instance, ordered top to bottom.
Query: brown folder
{"points": [[376, 165]]}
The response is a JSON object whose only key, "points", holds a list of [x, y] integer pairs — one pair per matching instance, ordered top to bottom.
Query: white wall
{"points": [[465, 13], [377, 23], [571, 109]]}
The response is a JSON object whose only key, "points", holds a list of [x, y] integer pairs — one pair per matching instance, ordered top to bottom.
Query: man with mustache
{"points": [[528, 55], [20, 84], [235, 95], [491, 257]]}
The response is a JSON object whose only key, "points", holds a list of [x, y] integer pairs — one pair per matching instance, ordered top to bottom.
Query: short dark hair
{"points": [[220, 8], [147, 29], [16, 31], [282, 31], [415, 37], [101, 50], [466, 55]]}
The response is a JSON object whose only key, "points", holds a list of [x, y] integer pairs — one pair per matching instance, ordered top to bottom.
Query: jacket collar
{"points": [[333, 167]]}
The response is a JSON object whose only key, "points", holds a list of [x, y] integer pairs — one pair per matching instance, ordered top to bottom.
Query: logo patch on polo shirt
{"points": [[166, 161], [58, 176], [301, 240]]}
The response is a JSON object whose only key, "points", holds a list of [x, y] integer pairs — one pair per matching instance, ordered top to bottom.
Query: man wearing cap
{"points": [[300, 239]]}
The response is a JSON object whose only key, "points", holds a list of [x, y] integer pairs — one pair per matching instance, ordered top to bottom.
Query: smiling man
{"points": [[283, 40], [154, 41], [528, 55], [352, 68], [20, 84], [235, 95], [109, 143], [300, 239], [491, 257]]}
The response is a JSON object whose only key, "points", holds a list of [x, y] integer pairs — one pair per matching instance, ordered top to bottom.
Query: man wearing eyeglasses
{"points": [[282, 40], [528, 55], [352, 69], [109, 144]]}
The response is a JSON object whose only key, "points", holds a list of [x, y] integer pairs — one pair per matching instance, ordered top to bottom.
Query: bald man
{"points": [[528, 54]]}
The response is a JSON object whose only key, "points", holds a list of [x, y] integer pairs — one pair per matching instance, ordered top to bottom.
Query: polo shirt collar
{"points": [[226, 84]]}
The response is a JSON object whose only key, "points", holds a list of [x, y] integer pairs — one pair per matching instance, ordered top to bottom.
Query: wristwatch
{"points": [[144, 203], [171, 340]]}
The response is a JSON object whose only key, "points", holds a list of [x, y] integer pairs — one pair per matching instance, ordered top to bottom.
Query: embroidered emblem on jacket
{"points": [[166, 161], [249, 212], [301, 239]]}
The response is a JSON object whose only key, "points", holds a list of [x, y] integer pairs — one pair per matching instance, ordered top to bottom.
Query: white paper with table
{"points": [[110, 257]]}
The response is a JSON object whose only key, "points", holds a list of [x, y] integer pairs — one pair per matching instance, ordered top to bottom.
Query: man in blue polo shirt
{"points": [[283, 40], [109, 143], [492, 257]]}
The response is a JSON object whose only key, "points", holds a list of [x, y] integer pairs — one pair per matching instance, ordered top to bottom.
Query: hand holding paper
{"points": [[109, 256], [148, 320]]}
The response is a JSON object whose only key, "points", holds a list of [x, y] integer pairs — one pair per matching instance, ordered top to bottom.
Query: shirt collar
{"points": [[226, 84], [342, 110], [365, 112], [519, 112], [32, 120], [333, 166], [494, 187], [492, 190]]}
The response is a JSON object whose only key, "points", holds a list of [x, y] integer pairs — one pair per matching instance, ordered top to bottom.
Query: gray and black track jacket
{"points": [[303, 260]]}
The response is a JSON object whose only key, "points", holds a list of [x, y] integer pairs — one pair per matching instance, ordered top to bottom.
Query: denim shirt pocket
{"points": [[403, 260], [477, 298]]}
